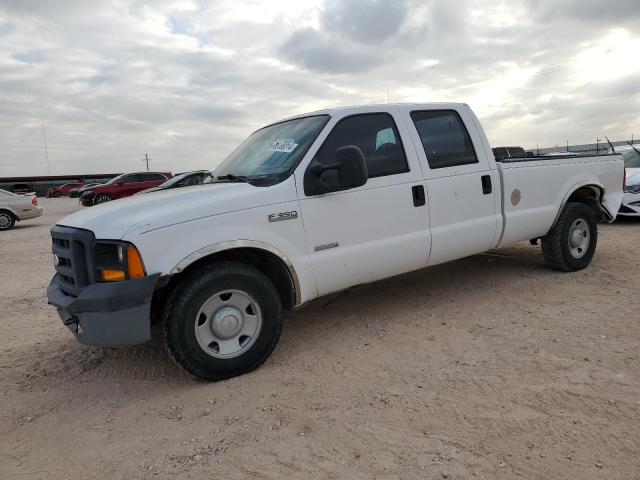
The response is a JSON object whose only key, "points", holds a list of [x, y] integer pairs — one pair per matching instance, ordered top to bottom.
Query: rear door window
{"points": [[444, 138], [150, 177]]}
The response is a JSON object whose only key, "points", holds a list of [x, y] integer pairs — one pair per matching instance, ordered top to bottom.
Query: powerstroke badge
{"points": [[279, 217]]}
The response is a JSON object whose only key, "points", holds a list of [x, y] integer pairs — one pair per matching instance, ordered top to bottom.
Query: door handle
{"points": [[486, 184], [418, 195]]}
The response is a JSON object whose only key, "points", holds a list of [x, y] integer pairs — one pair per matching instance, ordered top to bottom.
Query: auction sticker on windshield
{"points": [[284, 145]]}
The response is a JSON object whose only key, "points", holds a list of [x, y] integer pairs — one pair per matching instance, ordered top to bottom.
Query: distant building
{"points": [[40, 185]]}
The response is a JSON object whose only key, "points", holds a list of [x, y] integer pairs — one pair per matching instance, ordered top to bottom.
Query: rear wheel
{"points": [[102, 198], [7, 220], [571, 243], [222, 321]]}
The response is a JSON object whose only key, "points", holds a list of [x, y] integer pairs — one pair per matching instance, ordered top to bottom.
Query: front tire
{"points": [[56, 195], [102, 198], [7, 220], [571, 243], [222, 321]]}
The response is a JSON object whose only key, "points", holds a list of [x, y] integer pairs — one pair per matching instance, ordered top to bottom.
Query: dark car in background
{"points": [[509, 152], [185, 179], [122, 186], [20, 188], [63, 190], [75, 192]]}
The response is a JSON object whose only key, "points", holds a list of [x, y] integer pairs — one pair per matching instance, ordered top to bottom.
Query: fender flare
{"points": [[597, 186], [234, 244]]}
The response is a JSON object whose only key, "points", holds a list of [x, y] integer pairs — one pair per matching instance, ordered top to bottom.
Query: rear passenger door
{"points": [[148, 180], [462, 187], [373, 231]]}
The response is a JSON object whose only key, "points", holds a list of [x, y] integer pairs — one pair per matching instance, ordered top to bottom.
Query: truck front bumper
{"points": [[107, 314]]}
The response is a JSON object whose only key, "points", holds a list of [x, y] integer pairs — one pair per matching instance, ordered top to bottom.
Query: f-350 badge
{"points": [[279, 217]]}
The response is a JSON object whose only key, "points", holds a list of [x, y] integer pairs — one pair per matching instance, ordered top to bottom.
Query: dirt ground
{"points": [[490, 367]]}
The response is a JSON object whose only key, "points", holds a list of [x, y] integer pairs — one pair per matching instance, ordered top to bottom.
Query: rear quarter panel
{"points": [[535, 191]]}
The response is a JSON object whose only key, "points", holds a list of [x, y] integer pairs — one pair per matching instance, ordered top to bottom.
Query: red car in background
{"points": [[122, 186], [63, 190]]}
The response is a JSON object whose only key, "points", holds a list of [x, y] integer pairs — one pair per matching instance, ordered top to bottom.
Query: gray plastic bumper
{"points": [[107, 314]]}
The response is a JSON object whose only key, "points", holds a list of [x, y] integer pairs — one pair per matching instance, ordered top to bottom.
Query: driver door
{"points": [[127, 186], [374, 231]]}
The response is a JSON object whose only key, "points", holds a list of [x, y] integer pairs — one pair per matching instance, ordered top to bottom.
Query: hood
{"points": [[140, 213]]}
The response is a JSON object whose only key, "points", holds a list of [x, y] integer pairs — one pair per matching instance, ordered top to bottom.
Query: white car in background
{"points": [[631, 200], [14, 208]]}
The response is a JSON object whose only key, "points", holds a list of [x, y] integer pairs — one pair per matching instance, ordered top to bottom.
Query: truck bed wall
{"points": [[534, 191]]}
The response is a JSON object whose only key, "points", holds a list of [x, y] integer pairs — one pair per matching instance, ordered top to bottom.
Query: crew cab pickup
{"points": [[309, 206]]}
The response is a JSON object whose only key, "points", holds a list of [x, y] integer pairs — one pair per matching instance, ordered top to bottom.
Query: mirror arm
{"points": [[320, 168]]}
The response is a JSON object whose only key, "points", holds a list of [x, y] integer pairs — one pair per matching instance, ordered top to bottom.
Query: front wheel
{"points": [[56, 195], [102, 198], [7, 221], [571, 243], [222, 321]]}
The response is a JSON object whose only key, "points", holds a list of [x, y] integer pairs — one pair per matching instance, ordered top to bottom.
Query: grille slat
{"points": [[73, 247]]}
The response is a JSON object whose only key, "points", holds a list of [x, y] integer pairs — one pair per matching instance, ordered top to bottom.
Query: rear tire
{"points": [[102, 198], [7, 220], [571, 243], [222, 321]]}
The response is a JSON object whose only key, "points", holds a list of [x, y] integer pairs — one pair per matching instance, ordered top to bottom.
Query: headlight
{"points": [[632, 188], [117, 261]]}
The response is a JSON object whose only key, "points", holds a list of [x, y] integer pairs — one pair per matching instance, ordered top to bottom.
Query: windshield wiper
{"points": [[234, 178]]}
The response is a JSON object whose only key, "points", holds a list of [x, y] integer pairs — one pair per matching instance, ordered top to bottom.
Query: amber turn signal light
{"points": [[135, 265], [112, 275]]}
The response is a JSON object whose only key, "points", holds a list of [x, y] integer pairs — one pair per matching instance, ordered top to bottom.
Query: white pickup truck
{"points": [[308, 206]]}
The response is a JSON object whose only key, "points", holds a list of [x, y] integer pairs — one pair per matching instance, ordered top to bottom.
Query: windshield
{"points": [[273, 151], [631, 158], [114, 179], [174, 180]]}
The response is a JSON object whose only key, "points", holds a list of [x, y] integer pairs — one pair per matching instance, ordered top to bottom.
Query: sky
{"points": [[185, 81]]}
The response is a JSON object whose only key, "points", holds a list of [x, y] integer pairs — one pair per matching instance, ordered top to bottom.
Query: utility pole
{"points": [[597, 146], [46, 155], [146, 159]]}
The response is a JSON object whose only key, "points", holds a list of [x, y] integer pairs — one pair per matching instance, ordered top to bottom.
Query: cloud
{"points": [[366, 21], [314, 51], [187, 80]]}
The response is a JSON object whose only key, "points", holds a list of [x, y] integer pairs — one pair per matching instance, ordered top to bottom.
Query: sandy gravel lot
{"points": [[489, 367]]}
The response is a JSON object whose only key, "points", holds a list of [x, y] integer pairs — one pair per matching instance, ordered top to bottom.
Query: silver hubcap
{"points": [[102, 199], [5, 220], [579, 238], [228, 324]]}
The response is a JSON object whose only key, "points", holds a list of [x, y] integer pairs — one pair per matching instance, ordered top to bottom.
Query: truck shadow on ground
{"points": [[414, 293]]}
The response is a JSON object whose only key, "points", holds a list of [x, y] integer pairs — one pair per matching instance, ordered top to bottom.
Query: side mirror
{"points": [[349, 170]]}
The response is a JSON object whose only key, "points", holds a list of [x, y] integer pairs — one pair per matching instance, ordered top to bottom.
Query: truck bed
{"points": [[546, 158], [534, 190]]}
